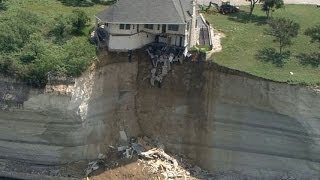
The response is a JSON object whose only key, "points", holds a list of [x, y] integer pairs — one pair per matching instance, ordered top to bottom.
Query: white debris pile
{"points": [[152, 157], [157, 161]]}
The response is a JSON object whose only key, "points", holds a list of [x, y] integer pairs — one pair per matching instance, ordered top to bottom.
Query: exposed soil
{"points": [[132, 171]]}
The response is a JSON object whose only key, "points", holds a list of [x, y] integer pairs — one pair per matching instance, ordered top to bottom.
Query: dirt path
{"points": [[243, 2]]}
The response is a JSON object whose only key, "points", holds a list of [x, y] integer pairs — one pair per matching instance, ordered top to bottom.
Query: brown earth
{"points": [[227, 121]]}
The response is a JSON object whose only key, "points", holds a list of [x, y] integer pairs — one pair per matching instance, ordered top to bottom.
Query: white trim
{"points": [[98, 18], [138, 23]]}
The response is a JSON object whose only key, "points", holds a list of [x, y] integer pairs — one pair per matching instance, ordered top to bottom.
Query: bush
{"points": [[82, 3], [78, 20], [61, 30], [26, 52]]}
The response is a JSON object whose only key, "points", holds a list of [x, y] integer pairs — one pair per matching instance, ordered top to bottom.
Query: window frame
{"points": [[149, 26], [173, 27]]}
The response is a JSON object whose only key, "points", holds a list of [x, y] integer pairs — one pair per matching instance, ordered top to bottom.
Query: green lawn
{"points": [[49, 9], [244, 39]]}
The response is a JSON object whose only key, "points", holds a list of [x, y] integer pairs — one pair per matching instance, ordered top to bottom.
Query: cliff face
{"points": [[225, 120], [231, 121], [68, 122]]}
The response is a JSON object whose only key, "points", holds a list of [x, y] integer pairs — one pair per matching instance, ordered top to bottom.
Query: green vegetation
{"points": [[86, 3], [271, 5], [283, 30], [42, 36], [244, 39], [312, 59]]}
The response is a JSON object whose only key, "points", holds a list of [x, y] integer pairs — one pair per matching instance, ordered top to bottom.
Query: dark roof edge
{"points": [[140, 22]]}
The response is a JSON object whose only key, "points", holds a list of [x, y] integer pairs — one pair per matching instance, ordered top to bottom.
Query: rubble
{"points": [[162, 56], [152, 157], [92, 167]]}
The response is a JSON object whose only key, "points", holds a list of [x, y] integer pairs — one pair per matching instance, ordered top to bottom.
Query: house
{"points": [[132, 24]]}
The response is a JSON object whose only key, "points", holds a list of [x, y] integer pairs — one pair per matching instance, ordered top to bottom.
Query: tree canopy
{"points": [[271, 5], [284, 30], [314, 33], [29, 54]]}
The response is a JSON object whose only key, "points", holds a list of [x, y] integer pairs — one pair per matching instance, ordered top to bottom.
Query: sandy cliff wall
{"points": [[227, 121], [231, 121], [68, 122]]}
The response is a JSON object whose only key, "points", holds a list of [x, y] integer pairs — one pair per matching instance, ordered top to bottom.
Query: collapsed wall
{"points": [[224, 119]]}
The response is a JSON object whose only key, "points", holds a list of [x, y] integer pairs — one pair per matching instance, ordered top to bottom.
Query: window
{"points": [[124, 26], [148, 26], [158, 27], [173, 27]]}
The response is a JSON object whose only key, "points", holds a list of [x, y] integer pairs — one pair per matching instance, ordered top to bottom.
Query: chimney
{"points": [[193, 35]]}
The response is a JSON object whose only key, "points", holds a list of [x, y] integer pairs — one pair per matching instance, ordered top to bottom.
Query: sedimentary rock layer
{"points": [[224, 119], [231, 121], [66, 123]]}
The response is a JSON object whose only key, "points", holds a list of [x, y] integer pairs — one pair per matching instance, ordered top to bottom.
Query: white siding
{"points": [[115, 29], [154, 30], [124, 43]]}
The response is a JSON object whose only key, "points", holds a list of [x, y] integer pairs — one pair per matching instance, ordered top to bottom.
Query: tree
{"points": [[3, 5], [252, 5], [271, 5], [79, 20], [61, 30], [283, 30], [314, 33], [79, 55]]}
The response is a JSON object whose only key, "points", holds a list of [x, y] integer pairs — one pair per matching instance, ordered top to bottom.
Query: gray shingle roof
{"points": [[147, 12]]}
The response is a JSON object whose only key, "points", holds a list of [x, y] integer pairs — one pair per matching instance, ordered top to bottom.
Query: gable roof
{"points": [[147, 12]]}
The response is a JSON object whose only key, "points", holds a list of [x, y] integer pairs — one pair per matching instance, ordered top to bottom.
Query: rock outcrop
{"points": [[227, 121], [231, 121], [66, 123]]}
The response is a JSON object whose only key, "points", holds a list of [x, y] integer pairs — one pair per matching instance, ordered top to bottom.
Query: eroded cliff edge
{"points": [[224, 119], [231, 121], [65, 123]]}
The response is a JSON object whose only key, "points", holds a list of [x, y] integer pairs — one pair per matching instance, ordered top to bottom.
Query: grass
{"points": [[48, 9], [244, 39]]}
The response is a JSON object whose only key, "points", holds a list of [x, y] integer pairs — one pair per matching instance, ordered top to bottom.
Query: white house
{"points": [[131, 24]]}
